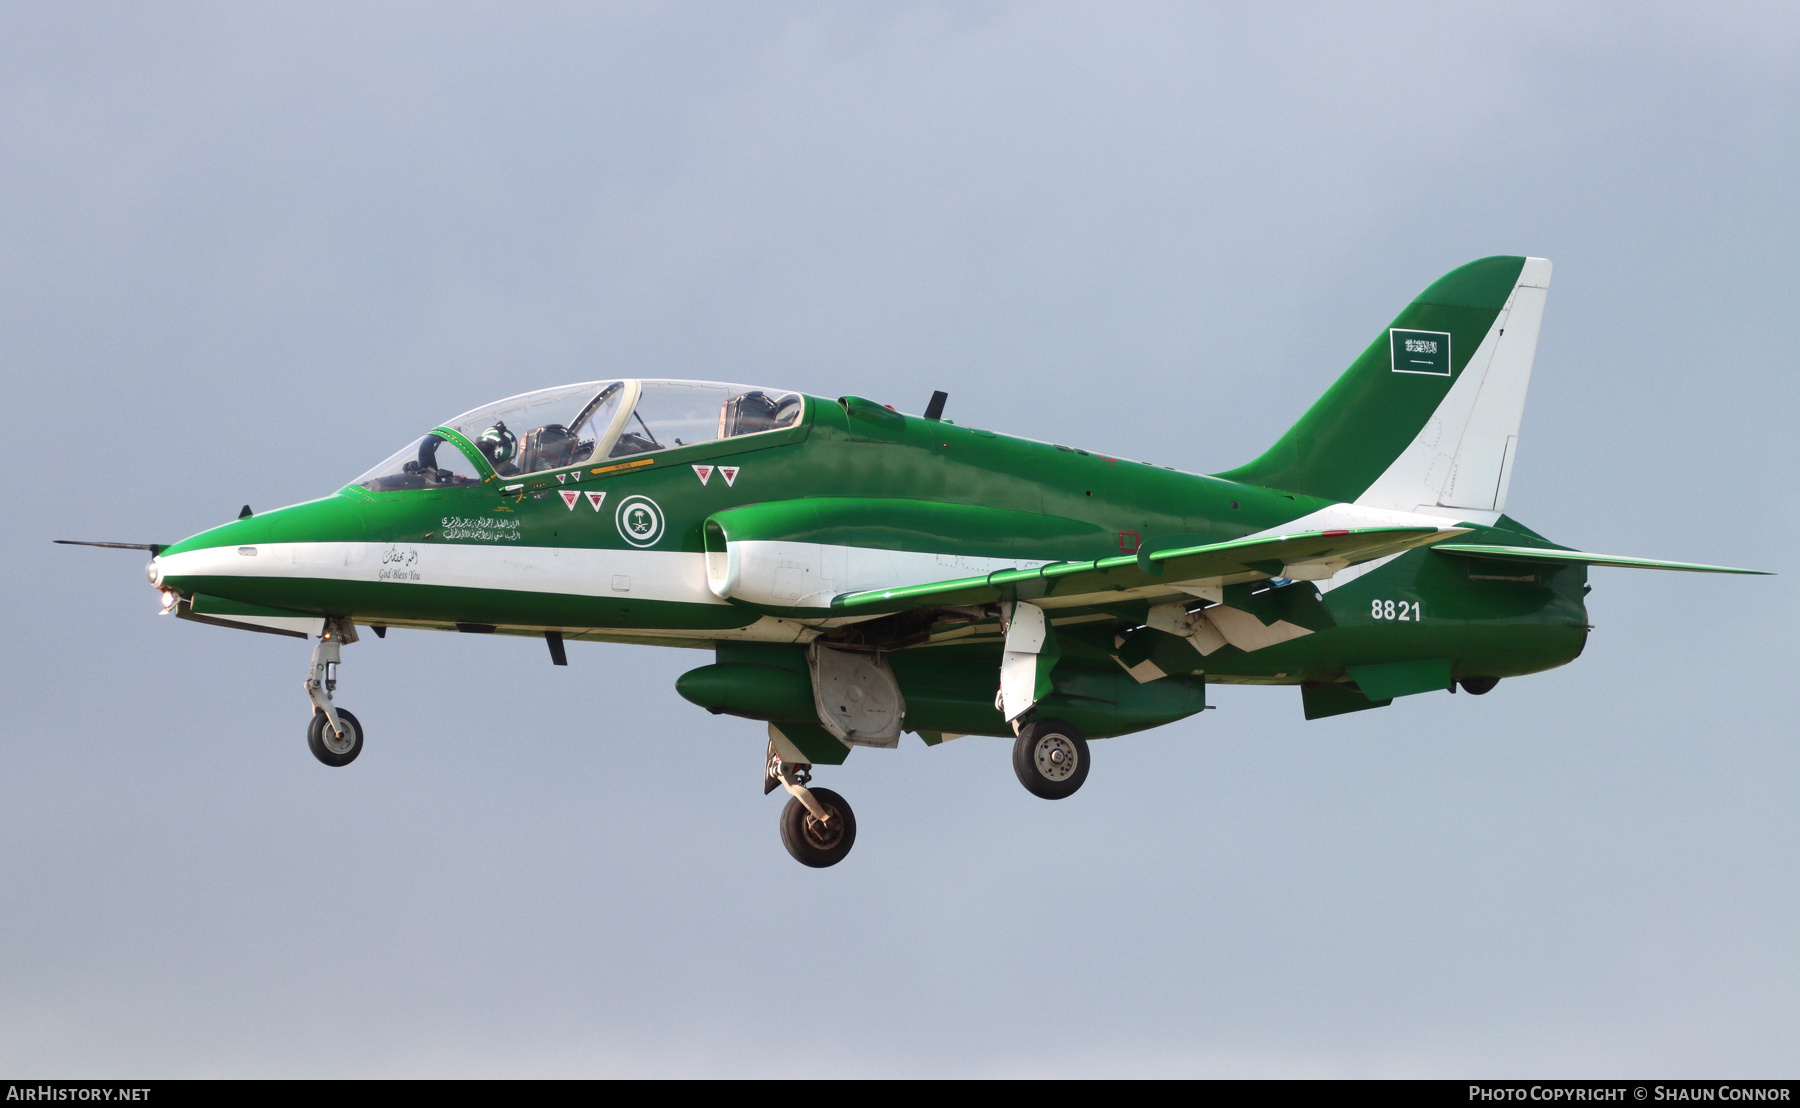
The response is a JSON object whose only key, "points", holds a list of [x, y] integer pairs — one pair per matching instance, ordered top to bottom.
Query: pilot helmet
{"points": [[497, 443]]}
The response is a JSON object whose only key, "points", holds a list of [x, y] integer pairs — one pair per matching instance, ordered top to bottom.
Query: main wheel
{"points": [[1476, 686], [327, 746], [1051, 758], [813, 843]]}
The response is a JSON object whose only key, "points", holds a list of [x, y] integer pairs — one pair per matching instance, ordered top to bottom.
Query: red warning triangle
{"points": [[704, 473], [729, 473], [569, 497], [596, 499]]}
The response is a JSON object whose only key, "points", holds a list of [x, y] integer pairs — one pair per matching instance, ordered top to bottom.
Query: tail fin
{"points": [[1427, 419]]}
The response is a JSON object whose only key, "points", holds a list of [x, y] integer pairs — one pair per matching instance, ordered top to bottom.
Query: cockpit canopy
{"points": [[575, 424]]}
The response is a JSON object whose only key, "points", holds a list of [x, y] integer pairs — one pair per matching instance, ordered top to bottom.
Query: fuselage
{"points": [[615, 548], [857, 574]]}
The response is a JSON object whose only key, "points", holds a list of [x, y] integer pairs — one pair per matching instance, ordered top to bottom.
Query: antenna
{"points": [[935, 409], [152, 547]]}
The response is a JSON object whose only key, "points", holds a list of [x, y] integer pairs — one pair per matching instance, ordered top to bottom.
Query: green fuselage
{"points": [[548, 552]]}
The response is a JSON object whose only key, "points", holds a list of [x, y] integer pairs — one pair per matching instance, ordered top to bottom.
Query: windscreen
{"points": [[430, 462]]}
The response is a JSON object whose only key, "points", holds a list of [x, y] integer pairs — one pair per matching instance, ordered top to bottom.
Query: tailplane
{"points": [[1427, 419]]}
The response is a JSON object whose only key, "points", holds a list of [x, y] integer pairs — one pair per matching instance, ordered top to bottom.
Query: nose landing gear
{"points": [[334, 735]]}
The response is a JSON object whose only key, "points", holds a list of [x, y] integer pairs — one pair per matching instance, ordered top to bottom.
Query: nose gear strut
{"points": [[334, 734]]}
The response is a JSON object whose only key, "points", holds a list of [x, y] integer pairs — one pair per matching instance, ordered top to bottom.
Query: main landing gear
{"points": [[334, 735], [1051, 758], [817, 826], [818, 840]]}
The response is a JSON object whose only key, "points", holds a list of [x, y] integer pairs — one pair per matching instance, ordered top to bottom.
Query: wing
{"points": [[1306, 556], [1578, 557]]}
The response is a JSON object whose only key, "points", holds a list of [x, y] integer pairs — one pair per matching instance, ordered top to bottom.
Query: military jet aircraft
{"points": [[858, 573]]}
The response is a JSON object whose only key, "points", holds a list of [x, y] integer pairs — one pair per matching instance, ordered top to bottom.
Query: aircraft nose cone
{"points": [[153, 571]]}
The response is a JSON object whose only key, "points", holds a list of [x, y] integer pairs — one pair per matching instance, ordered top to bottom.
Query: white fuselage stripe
{"points": [[770, 573], [666, 575]]}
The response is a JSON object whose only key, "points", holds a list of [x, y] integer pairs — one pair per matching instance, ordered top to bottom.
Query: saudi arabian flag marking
{"points": [[1426, 352]]}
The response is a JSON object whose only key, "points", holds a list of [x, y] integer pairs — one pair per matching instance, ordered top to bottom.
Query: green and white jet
{"points": [[858, 573]]}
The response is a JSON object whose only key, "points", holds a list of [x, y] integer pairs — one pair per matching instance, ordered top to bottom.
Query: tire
{"points": [[1478, 686], [326, 746], [1051, 758], [815, 844]]}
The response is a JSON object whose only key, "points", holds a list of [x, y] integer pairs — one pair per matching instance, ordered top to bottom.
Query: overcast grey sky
{"points": [[248, 250]]}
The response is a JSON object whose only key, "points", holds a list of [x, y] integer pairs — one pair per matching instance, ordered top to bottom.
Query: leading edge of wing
{"points": [[1539, 554], [1251, 559]]}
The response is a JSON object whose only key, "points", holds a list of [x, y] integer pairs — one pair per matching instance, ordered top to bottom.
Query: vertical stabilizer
{"points": [[1427, 419], [1461, 460]]}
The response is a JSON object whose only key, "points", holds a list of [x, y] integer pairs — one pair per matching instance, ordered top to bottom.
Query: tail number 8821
{"points": [[1401, 610]]}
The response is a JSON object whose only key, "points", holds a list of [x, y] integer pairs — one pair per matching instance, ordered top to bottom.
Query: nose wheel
{"points": [[330, 746], [1051, 758]]}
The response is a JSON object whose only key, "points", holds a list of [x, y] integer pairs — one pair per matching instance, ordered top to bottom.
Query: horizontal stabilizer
{"points": [[1310, 555], [1579, 557]]}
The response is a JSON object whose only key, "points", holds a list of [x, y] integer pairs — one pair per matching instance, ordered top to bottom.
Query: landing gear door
{"points": [[856, 695]]}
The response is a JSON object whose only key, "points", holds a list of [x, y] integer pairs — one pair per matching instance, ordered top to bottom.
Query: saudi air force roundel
{"points": [[640, 521]]}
